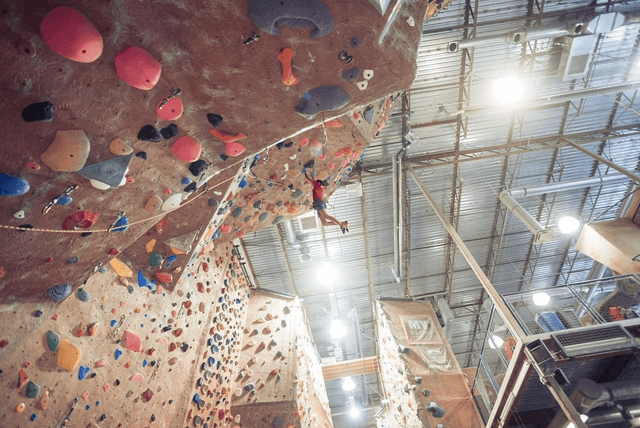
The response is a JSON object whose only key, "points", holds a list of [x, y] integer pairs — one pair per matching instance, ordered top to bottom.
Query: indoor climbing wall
{"points": [[116, 115], [118, 354], [420, 375], [274, 385]]}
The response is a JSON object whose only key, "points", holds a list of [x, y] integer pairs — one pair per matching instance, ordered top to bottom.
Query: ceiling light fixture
{"points": [[508, 89], [568, 224], [327, 274], [541, 298], [337, 329], [495, 341], [348, 384], [354, 411]]}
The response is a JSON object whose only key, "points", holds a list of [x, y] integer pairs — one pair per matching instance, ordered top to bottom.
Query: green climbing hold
{"points": [[155, 259]]}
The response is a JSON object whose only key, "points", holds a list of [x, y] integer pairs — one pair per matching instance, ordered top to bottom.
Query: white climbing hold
{"points": [[411, 22], [367, 74], [363, 85], [99, 184], [172, 202], [19, 214]]}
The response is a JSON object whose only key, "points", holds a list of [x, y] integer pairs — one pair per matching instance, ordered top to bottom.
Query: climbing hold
{"points": [[269, 14], [411, 21], [70, 34], [355, 42], [285, 56], [138, 68], [367, 74], [350, 75], [362, 85], [322, 98], [170, 110], [38, 112], [368, 114], [214, 119], [169, 132], [149, 133], [119, 148], [234, 148], [186, 149], [68, 152], [142, 155], [309, 164], [33, 165], [198, 167], [111, 171], [99, 185], [13, 186], [172, 202], [153, 204], [237, 212], [80, 220], [121, 225], [182, 242], [155, 259], [73, 260], [121, 268], [165, 278], [144, 282], [59, 292], [83, 295], [53, 340], [134, 342], [118, 354], [68, 355], [82, 372], [137, 377], [22, 378], [147, 395], [44, 402], [20, 408], [277, 421]]}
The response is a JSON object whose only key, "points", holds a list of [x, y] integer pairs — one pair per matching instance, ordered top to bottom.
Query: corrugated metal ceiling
{"points": [[526, 153]]}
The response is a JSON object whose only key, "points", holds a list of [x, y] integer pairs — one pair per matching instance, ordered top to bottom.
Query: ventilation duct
{"points": [[568, 185], [540, 233], [294, 242]]}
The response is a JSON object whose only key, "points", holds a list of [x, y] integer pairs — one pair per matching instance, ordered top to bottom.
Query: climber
{"points": [[321, 206]]}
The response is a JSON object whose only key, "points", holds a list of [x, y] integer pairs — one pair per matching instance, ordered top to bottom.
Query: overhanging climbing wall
{"points": [[117, 114], [420, 375], [279, 381]]}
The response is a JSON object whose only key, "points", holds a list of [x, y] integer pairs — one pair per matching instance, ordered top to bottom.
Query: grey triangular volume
{"points": [[109, 171], [182, 242]]}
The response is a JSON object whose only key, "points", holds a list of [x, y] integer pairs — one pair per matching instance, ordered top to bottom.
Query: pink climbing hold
{"points": [[70, 34], [138, 68], [171, 110], [304, 142], [234, 148], [187, 149], [331, 166], [226, 228], [134, 342], [137, 377], [105, 387], [85, 395]]}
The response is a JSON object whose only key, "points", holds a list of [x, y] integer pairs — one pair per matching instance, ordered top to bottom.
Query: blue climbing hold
{"points": [[186, 181], [242, 184], [13, 186], [65, 200], [121, 225], [73, 260], [170, 260], [144, 282], [59, 292], [83, 295], [113, 323], [118, 354], [211, 361], [144, 363], [83, 371], [196, 398], [33, 417], [277, 421]]}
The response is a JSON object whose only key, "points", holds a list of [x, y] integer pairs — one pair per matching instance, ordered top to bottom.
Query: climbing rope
{"points": [[205, 190]]}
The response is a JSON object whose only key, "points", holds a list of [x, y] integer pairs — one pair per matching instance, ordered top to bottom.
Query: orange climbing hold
{"points": [[70, 34], [285, 57], [138, 68], [171, 110], [225, 136], [120, 268], [68, 355], [23, 379]]}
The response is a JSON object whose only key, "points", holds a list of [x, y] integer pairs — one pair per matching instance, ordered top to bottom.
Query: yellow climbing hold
{"points": [[150, 245], [176, 251], [120, 268], [68, 355], [20, 408]]}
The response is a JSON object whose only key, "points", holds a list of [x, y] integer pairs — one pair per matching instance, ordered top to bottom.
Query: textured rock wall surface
{"points": [[245, 85], [189, 337], [418, 367], [275, 385]]}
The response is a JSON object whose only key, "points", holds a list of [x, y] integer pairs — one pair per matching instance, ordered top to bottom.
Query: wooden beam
{"points": [[357, 367]]}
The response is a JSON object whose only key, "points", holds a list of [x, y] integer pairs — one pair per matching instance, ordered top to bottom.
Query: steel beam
{"points": [[604, 161], [286, 261]]}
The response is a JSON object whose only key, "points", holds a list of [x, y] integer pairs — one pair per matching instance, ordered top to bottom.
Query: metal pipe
{"points": [[604, 161], [568, 185], [540, 233], [290, 234], [396, 252], [616, 415]]}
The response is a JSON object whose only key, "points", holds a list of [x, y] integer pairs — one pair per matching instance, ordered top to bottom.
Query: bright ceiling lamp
{"points": [[508, 89], [568, 224], [327, 274], [541, 298], [337, 329], [495, 341], [348, 384], [354, 411], [583, 418]]}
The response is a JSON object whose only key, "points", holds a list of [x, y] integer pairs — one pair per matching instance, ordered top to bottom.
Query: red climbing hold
{"points": [[69, 33], [138, 68], [171, 110], [225, 136], [186, 149], [80, 220], [163, 277], [134, 342]]}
